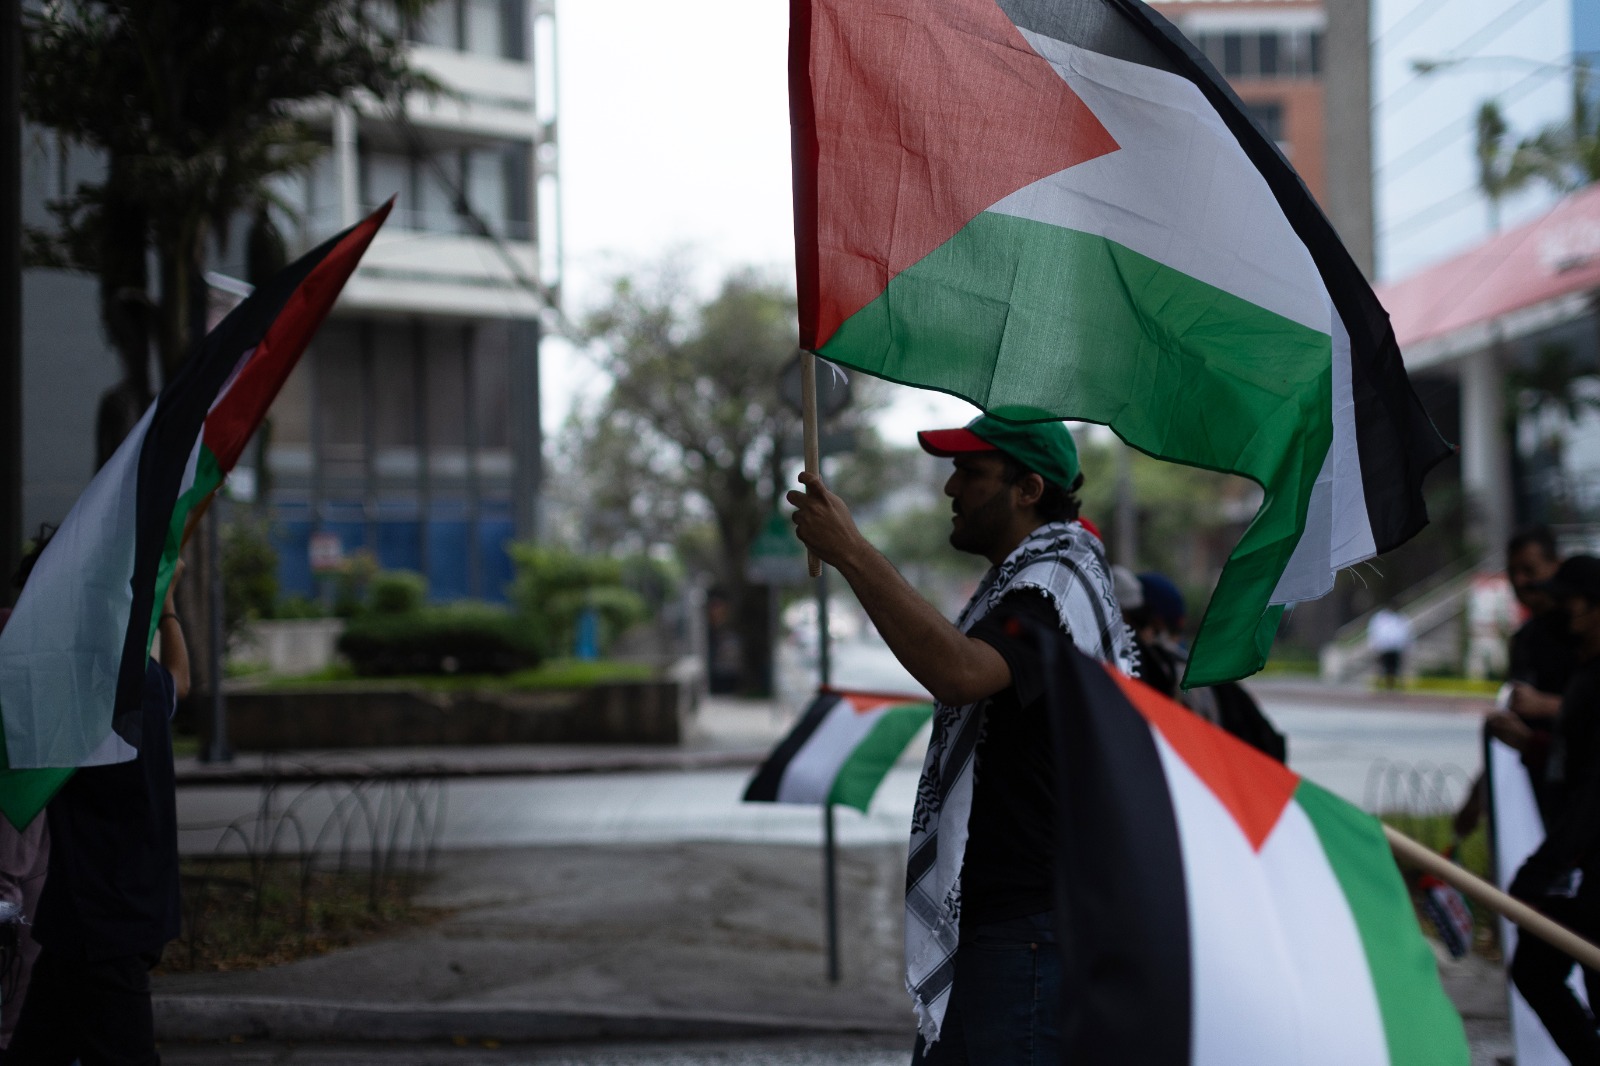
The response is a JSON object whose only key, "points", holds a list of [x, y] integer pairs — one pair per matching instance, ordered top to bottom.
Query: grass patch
{"points": [[558, 673], [1457, 686], [1433, 831], [239, 919]]}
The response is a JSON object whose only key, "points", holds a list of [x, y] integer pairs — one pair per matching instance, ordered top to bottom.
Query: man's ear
{"points": [[1030, 489]]}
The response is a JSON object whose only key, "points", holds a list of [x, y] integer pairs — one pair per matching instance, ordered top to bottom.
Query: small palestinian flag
{"points": [[1057, 209], [72, 657], [839, 750], [1217, 910]]}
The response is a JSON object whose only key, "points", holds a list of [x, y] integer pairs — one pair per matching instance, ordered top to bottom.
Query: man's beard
{"points": [[984, 526]]}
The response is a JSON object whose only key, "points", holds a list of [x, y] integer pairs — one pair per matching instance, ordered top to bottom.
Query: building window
{"points": [[491, 28], [1270, 54], [1232, 55]]}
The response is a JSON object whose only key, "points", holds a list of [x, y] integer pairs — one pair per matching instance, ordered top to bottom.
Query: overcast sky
{"points": [[674, 125]]}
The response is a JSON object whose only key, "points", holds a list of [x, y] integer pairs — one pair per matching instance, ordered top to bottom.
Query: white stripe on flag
{"points": [[1203, 208], [1338, 532], [62, 649], [810, 774], [1280, 975]]}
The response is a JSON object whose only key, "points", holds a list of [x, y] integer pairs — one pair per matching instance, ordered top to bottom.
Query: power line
{"points": [[1412, 86], [1422, 151], [1439, 209]]}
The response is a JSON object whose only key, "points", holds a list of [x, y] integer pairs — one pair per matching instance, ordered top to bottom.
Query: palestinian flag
{"points": [[1058, 210], [72, 657], [839, 750], [1217, 910]]}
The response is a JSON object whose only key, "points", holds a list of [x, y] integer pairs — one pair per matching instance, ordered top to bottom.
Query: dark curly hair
{"points": [[1057, 504]]}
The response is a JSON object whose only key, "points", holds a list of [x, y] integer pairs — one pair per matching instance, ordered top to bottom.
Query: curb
{"points": [[209, 1018]]}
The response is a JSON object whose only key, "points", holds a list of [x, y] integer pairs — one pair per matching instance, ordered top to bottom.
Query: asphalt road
{"points": [[811, 1052]]}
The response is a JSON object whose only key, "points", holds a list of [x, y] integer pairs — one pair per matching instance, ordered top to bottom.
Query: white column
{"points": [[345, 164], [1485, 463]]}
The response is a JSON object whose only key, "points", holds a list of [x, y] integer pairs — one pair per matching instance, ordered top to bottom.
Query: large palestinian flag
{"points": [[1057, 209], [72, 656], [839, 750], [1217, 910]]}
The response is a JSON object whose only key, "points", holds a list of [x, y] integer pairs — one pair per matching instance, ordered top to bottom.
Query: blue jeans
{"points": [[1005, 1003]]}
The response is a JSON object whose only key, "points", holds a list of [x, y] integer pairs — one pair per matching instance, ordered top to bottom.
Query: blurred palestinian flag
{"points": [[72, 656]]}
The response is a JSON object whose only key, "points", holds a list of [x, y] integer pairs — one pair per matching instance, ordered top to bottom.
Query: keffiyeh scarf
{"points": [[1065, 563]]}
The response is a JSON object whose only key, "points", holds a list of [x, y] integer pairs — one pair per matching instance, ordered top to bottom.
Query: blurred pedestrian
{"points": [[1159, 625], [1389, 639], [1541, 655], [24, 856], [1562, 877], [110, 902]]}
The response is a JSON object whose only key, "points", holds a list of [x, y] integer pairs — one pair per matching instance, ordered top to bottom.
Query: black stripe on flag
{"points": [[180, 415], [1393, 431], [763, 787], [1122, 916]]}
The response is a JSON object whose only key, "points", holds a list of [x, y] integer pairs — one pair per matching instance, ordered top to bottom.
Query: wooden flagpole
{"points": [[808, 425], [1410, 853]]}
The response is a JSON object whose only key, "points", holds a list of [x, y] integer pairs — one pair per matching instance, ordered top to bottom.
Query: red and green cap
{"points": [[1046, 448]]}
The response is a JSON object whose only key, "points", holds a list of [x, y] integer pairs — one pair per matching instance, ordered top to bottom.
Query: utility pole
{"points": [[10, 293]]}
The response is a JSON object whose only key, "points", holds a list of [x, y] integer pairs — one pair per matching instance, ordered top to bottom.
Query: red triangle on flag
{"points": [[911, 117], [1253, 787]]}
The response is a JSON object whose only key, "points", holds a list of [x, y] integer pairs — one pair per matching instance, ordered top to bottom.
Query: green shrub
{"points": [[249, 574], [351, 581], [553, 586], [397, 592], [299, 607], [464, 638]]}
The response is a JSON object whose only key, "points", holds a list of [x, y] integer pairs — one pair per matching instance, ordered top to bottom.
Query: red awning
{"points": [[1554, 256]]}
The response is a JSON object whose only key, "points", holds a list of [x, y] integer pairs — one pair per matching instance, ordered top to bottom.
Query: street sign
{"points": [[833, 388], [327, 553], [777, 556]]}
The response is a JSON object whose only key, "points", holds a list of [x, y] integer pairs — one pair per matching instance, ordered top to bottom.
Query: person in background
{"points": [[1158, 625], [1389, 638], [1540, 663], [24, 856], [1562, 877], [110, 902]]}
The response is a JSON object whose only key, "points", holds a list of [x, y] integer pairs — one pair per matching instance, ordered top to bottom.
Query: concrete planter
{"points": [[290, 646], [396, 715]]}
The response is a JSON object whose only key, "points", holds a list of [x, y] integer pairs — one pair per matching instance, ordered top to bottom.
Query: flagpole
{"points": [[808, 426], [813, 461], [1477, 889]]}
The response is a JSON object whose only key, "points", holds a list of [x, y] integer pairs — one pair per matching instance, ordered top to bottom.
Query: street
{"points": [[1382, 754]]}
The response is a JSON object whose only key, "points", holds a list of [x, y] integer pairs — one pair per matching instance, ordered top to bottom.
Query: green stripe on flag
{"points": [[1032, 321], [207, 478], [863, 771], [24, 793], [1421, 1025]]}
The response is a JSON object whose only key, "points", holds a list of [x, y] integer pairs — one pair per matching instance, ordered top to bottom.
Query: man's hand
{"points": [[823, 522], [169, 604], [1529, 702]]}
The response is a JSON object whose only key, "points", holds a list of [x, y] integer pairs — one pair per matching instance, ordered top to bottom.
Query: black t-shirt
{"points": [[1542, 652], [1011, 832], [112, 887]]}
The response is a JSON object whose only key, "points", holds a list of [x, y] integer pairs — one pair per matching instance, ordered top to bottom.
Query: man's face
{"points": [[983, 510], [1526, 568], [1583, 617]]}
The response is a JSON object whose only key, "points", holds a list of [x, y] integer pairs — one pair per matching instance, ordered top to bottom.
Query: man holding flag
{"points": [[981, 965]]}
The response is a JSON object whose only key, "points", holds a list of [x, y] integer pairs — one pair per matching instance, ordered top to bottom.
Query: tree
{"points": [[194, 107], [1501, 169], [692, 429]]}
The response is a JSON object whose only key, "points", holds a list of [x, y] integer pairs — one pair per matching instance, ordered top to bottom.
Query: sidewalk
{"points": [[616, 942]]}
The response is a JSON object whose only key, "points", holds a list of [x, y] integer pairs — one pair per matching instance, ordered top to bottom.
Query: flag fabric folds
{"points": [[1059, 210], [72, 656], [839, 750], [1214, 909]]}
